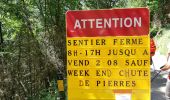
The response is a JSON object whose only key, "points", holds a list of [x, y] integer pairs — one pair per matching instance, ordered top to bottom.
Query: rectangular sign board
{"points": [[108, 54]]}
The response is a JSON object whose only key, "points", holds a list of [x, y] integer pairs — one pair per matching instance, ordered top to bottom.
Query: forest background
{"points": [[33, 48]]}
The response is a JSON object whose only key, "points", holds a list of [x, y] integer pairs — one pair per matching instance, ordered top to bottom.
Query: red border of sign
{"points": [[71, 16]]}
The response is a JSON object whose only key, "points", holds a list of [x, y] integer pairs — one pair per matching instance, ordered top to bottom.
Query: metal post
{"points": [[155, 76]]}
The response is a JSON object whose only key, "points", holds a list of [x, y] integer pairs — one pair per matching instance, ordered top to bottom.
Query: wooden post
{"points": [[1, 38], [60, 84]]}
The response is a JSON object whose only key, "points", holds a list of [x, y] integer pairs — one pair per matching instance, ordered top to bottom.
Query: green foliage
{"points": [[138, 3], [153, 5], [153, 33], [45, 95]]}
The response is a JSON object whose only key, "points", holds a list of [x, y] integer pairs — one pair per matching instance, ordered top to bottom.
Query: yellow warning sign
{"points": [[108, 58], [115, 63]]}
